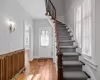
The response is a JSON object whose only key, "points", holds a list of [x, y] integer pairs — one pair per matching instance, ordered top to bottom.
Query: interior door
{"points": [[28, 40], [45, 42]]}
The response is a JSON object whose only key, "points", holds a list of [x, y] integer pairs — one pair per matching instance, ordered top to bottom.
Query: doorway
{"points": [[28, 42], [45, 42]]}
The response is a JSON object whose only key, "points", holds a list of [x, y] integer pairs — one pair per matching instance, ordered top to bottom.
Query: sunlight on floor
{"points": [[27, 65], [39, 70], [29, 77], [37, 77]]}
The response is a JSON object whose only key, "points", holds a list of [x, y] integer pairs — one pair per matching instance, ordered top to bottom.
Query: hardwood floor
{"points": [[39, 69]]}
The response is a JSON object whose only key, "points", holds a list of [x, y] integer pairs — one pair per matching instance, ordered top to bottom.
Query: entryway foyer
{"points": [[49, 40]]}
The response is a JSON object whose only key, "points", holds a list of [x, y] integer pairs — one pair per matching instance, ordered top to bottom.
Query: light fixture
{"points": [[11, 26]]}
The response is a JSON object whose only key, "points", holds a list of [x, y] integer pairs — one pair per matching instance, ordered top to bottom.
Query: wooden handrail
{"points": [[51, 11]]}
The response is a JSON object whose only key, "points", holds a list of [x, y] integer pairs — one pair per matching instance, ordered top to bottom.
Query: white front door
{"points": [[45, 42]]}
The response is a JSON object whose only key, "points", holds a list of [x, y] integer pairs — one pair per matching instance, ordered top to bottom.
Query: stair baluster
{"points": [[51, 11]]}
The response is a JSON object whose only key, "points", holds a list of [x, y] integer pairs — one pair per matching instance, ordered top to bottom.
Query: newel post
{"points": [[60, 67]]}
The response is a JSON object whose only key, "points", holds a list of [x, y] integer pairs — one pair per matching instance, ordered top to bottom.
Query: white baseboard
{"points": [[37, 57]]}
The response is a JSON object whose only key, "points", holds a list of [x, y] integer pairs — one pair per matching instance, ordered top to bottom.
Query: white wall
{"points": [[59, 5], [70, 5], [36, 8], [97, 37], [12, 41]]}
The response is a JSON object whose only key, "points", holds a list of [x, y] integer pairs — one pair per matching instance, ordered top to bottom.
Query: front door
{"points": [[45, 42]]}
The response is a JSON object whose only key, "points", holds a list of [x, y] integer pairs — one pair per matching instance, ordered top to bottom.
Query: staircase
{"points": [[69, 66], [72, 67]]}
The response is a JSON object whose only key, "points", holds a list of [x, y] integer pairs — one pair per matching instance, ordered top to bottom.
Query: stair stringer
{"points": [[79, 50], [68, 64], [86, 67], [89, 68]]}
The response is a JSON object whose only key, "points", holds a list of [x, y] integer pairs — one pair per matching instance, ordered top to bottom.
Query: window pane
{"points": [[86, 8], [78, 15], [78, 25], [26, 28], [87, 28], [78, 33], [27, 35], [27, 38], [44, 38], [86, 46]]}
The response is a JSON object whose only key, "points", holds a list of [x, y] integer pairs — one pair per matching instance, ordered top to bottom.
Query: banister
{"points": [[52, 4], [51, 11]]}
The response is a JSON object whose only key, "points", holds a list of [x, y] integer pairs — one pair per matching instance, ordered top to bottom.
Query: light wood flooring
{"points": [[39, 69]]}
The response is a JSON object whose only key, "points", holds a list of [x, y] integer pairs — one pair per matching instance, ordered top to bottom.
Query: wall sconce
{"points": [[11, 26]]}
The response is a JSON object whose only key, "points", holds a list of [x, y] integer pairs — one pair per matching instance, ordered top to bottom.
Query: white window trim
{"points": [[86, 17], [30, 26], [93, 30], [74, 31], [80, 45], [89, 58], [90, 62]]}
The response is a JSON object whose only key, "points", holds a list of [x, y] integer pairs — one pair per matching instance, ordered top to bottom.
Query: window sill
{"points": [[89, 62]]}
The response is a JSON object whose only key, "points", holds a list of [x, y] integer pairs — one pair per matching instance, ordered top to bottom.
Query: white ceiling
{"points": [[36, 8]]}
